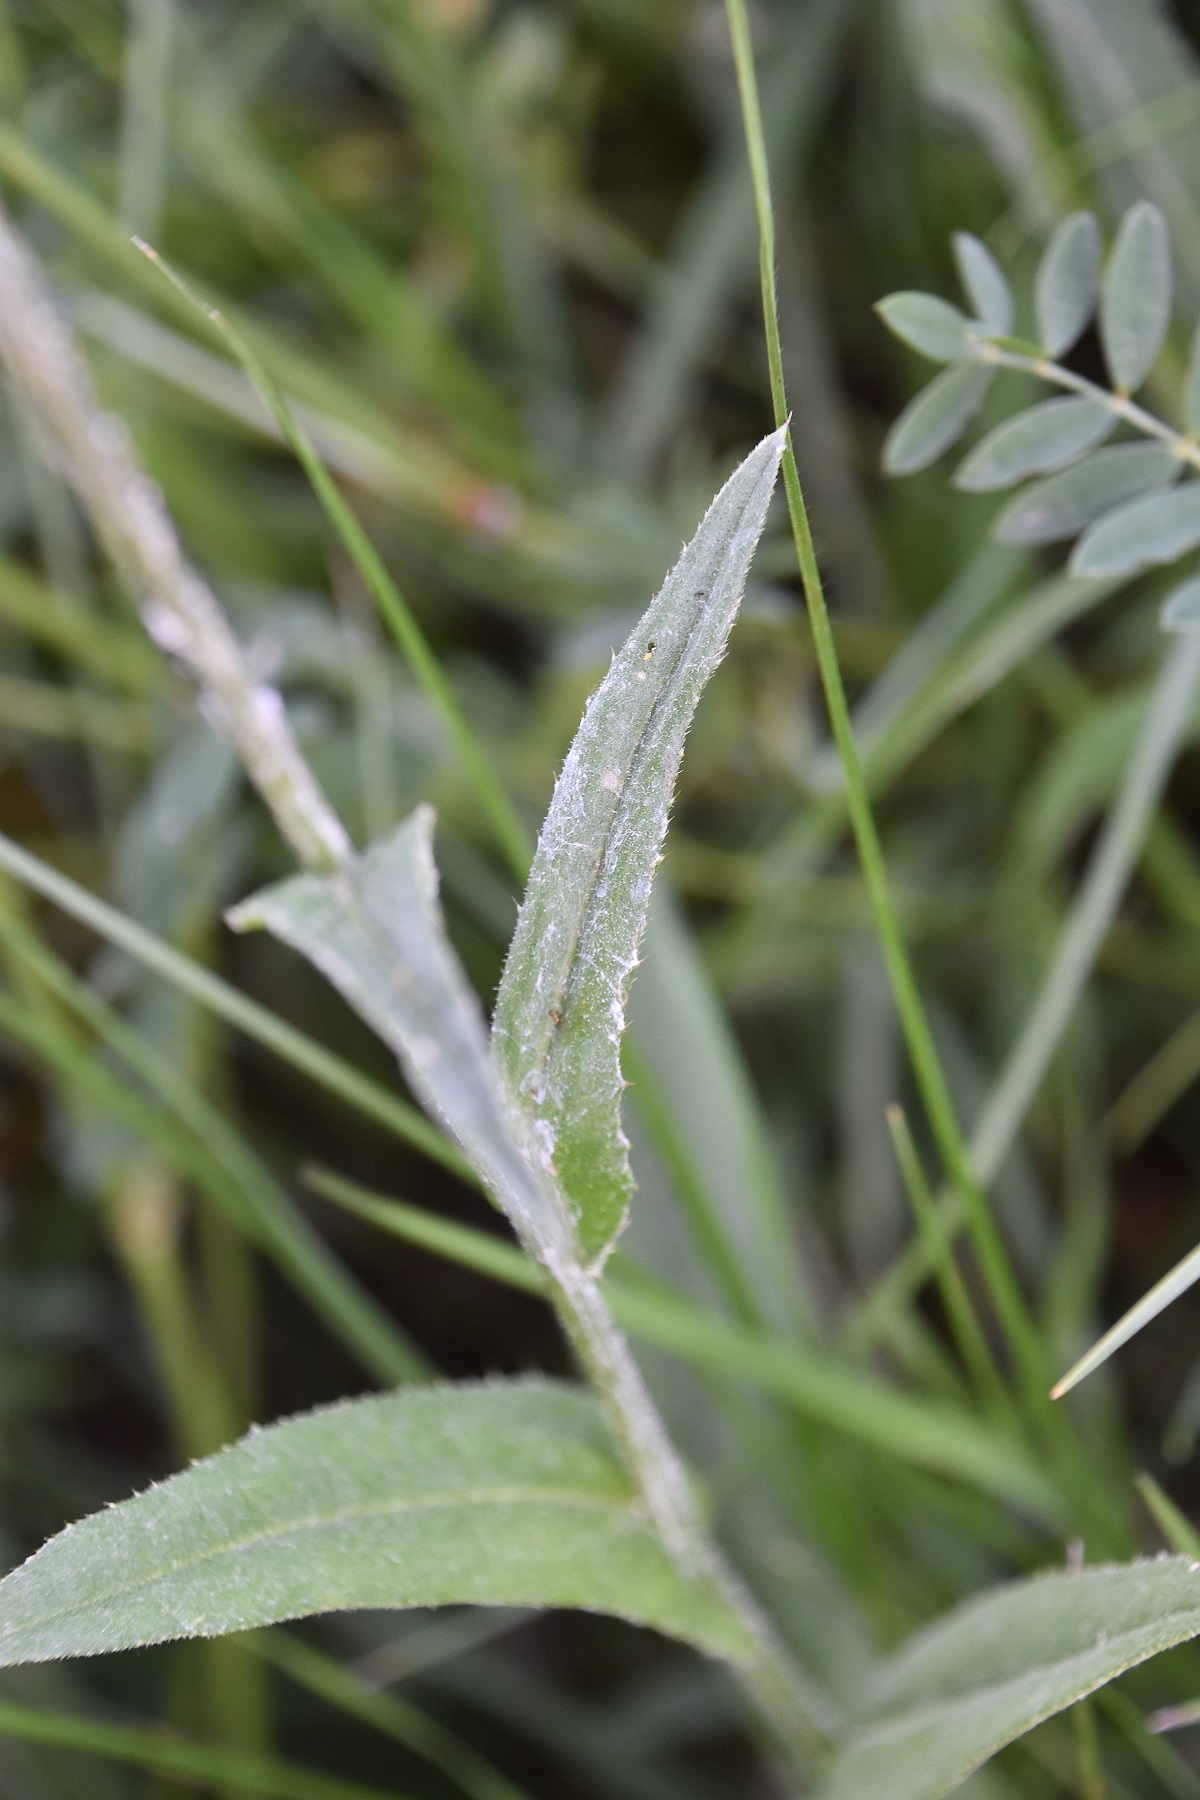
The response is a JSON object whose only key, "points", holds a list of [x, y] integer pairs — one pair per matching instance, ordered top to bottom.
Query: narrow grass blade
{"points": [[492, 799], [225, 1002], [560, 1009], [1175, 1282], [945, 1440], [495, 1494], [1181, 1536], [1001, 1664], [207, 1764]]}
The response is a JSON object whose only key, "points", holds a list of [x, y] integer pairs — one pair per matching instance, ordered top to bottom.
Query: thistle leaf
{"points": [[984, 281], [1065, 289], [1135, 304], [929, 325], [935, 418], [1035, 442], [1065, 504], [1155, 529], [376, 932], [560, 1010], [503, 1493], [997, 1666]]}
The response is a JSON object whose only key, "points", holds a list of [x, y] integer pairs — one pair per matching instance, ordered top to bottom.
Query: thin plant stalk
{"points": [[493, 801], [993, 1258]]}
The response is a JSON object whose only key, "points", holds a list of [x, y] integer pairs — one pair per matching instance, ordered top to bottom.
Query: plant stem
{"points": [[1184, 447], [993, 1258]]}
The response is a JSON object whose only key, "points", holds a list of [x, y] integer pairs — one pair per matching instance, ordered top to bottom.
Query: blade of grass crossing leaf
{"points": [[493, 801], [225, 1002], [242, 1185], [992, 1255], [945, 1440], [387, 1713], [207, 1764]]}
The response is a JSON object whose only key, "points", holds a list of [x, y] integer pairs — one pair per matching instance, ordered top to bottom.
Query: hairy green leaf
{"points": [[984, 281], [1065, 290], [1135, 303], [929, 324], [935, 418], [1036, 442], [1065, 504], [1155, 529], [1181, 608], [375, 931], [560, 1010], [500, 1493], [997, 1666]]}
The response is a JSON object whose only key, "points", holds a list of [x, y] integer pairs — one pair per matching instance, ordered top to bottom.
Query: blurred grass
{"points": [[501, 259]]}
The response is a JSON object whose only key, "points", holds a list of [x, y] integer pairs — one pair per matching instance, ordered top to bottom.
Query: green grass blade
{"points": [[493, 801], [225, 1002], [944, 1439], [209, 1764]]}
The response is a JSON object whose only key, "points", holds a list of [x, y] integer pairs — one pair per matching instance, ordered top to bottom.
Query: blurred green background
{"points": [[503, 255]]}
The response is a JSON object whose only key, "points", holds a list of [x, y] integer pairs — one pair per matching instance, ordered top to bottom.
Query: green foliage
{"points": [[501, 1494]]}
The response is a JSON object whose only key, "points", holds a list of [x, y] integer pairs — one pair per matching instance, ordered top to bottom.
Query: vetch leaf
{"points": [[984, 281], [1065, 289], [1135, 304], [927, 323], [1191, 391], [935, 418], [1036, 442], [1065, 504], [1155, 529], [1181, 608], [375, 931], [560, 1010], [503, 1493], [994, 1668]]}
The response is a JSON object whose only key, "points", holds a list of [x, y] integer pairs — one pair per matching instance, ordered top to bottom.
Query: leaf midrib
{"points": [[482, 1497]]}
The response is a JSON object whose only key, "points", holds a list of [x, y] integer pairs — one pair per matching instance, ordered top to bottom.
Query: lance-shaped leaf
{"points": [[985, 283], [1065, 290], [1135, 304], [930, 325], [936, 418], [1044, 437], [1065, 504], [1142, 533], [375, 931], [560, 1011], [502, 1493], [994, 1668]]}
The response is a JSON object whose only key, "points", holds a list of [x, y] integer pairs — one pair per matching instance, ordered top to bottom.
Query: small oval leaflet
{"points": [[984, 281], [1065, 290], [1135, 304], [930, 325], [936, 418], [1037, 441], [1065, 504], [1155, 529], [1181, 608]]}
